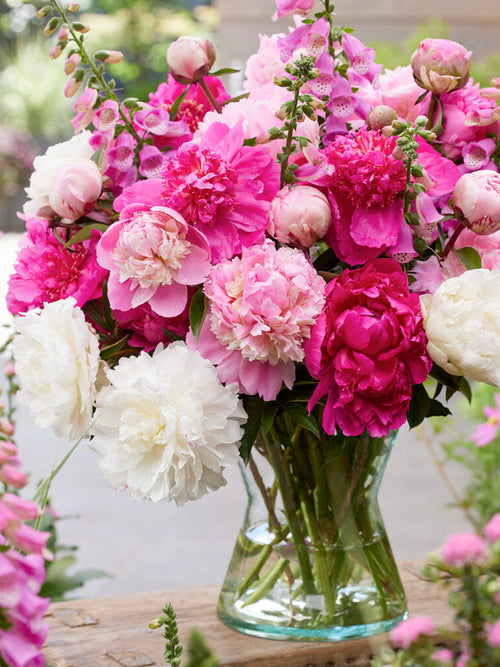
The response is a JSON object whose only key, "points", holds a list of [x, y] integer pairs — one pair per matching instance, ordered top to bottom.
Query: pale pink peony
{"points": [[287, 7], [190, 58], [441, 65], [263, 66], [398, 90], [222, 188], [75, 189], [477, 198], [300, 215], [152, 255], [45, 271], [262, 308], [367, 349], [463, 549], [407, 632]]}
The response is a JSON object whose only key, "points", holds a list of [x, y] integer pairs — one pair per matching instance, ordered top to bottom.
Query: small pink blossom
{"points": [[361, 57], [71, 63], [106, 116], [477, 154], [151, 160], [152, 256], [262, 308], [367, 349], [487, 432], [492, 528], [463, 549], [409, 631], [443, 655]]}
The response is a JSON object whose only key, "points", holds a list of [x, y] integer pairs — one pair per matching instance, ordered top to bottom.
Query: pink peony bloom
{"points": [[287, 7], [190, 58], [440, 65], [263, 66], [398, 90], [440, 174], [223, 188], [75, 189], [477, 198], [300, 215], [152, 255], [45, 271], [262, 308], [148, 328], [367, 349], [487, 432], [492, 528], [463, 549], [407, 632]]}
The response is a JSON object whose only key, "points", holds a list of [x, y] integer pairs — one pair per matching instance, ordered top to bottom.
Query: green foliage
{"points": [[173, 647], [199, 653]]}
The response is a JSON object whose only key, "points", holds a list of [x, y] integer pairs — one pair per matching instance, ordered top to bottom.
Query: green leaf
{"points": [[224, 70], [422, 97], [176, 105], [250, 142], [85, 233], [469, 257], [197, 312], [171, 334], [108, 351], [419, 406], [254, 407], [299, 413], [269, 414]]}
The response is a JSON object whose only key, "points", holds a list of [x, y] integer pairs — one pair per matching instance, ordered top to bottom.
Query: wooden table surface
{"points": [[113, 631]]}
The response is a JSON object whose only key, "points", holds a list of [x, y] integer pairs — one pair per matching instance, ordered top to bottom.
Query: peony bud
{"points": [[190, 58], [440, 65], [380, 116], [75, 188], [476, 198], [300, 215]]}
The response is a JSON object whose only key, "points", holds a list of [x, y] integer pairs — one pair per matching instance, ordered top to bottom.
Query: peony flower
{"points": [[190, 58], [440, 65], [263, 66], [47, 166], [222, 188], [75, 189], [477, 199], [300, 215], [152, 255], [46, 271], [262, 308], [462, 324], [148, 328], [367, 349], [57, 360], [166, 428], [492, 528], [463, 549], [407, 632]]}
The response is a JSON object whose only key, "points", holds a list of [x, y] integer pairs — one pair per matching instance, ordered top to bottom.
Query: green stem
{"points": [[431, 112], [292, 125], [268, 582]]}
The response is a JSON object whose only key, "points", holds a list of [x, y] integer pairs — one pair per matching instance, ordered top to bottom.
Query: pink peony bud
{"points": [[190, 58], [440, 65], [381, 116], [75, 188], [476, 198], [300, 215], [6, 426], [12, 476], [463, 549], [410, 630]]}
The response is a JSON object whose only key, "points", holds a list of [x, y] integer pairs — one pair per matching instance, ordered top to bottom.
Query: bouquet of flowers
{"points": [[285, 278]]}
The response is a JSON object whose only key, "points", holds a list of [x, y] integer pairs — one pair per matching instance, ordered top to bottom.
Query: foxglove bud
{"points": [[111, 57], [190, 58], [440, 65], [476, 198]]}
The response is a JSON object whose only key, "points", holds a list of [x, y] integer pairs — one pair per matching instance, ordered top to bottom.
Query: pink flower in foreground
{"points": [[222, 188], [75, 189], [152, 255], [45, 271], [262, 308], [367, 349], [487, 432], [492, 528], [463, 549], [410, 630], [493, 634], [443, 655]]}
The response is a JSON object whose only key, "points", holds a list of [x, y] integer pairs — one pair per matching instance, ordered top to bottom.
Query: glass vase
{"points": [[312, 560]]}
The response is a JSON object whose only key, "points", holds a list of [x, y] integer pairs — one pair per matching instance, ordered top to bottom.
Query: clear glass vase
{"points": [[312, 560]]}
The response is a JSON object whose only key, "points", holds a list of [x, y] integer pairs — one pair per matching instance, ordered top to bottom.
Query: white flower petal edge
{"points": [[462, 324], [57, 361], [165, 426]]}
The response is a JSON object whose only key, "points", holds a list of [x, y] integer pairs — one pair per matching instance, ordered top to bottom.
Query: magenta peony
{"points": [[367, 349]]}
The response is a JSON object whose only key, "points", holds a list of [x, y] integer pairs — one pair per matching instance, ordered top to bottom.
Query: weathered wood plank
{"points": [[109, 632]]}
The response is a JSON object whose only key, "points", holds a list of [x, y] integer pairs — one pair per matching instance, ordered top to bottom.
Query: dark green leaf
{"points": [[224, 70], [421, 97], [176, 105], [250, 142], [85, 233], [469, 257], [197, 312], [171, 334], [108, 351], [419, 406], [254, 407], [270, 408], [299, 413]]}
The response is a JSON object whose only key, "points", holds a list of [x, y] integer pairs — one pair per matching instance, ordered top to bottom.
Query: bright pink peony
{"points": [[223, 188], [152, 255], [45, 271], [262, 308], [148, 328], [367, 349], [463, 549], [410, 630]]}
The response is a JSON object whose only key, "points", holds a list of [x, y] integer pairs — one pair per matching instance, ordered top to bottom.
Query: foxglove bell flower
{"points": [[165, 427]]}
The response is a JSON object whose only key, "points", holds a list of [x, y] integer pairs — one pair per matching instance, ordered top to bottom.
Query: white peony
{"points": [[46, 167], [462, 323], [57, 361], [165, 425]]}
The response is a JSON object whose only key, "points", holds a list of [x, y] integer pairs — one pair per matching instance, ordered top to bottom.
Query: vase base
{"points": [[334, 633]]}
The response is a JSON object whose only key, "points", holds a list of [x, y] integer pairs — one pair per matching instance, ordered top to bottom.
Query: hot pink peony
{"points": [[223, 188], [152, 255], [45, 271], [262, 308], [148, 328], [367, 349], [492, 528], [463, 549]]}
